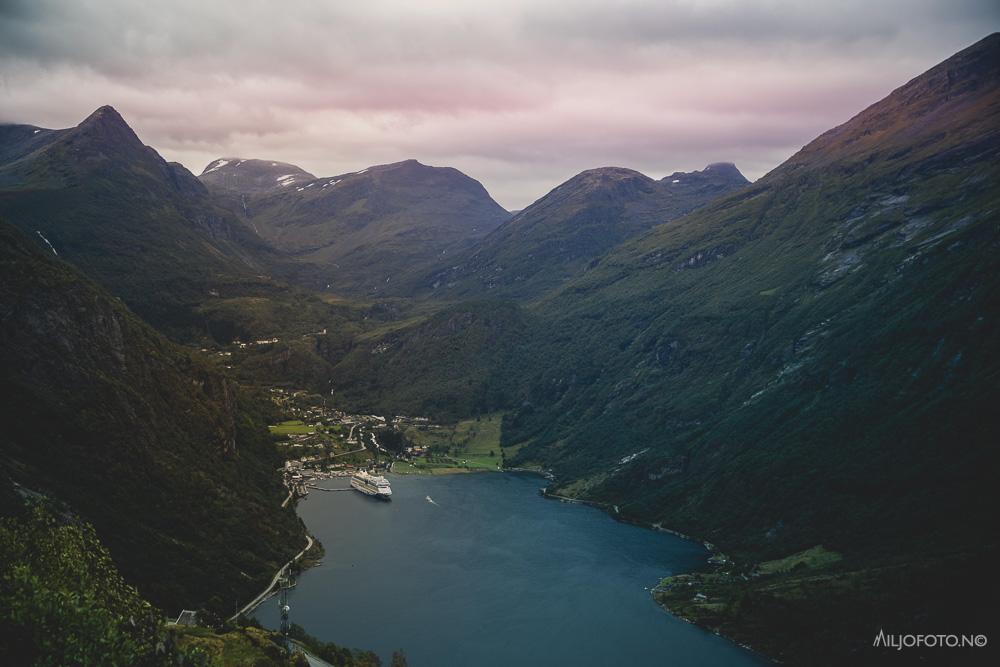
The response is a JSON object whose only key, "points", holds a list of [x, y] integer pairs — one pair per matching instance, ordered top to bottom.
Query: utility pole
{"points": [[283, 585]]}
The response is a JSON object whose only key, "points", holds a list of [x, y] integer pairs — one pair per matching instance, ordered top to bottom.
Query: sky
{"points": [[519, 94]]}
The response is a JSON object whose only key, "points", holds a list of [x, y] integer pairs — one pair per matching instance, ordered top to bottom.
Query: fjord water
{"points": [[489, 574]]}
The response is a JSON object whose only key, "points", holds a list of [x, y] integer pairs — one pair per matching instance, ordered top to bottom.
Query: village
{"points": [[320, 441]]}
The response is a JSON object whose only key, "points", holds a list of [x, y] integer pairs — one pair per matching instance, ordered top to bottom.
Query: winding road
{"points": [[270, 587], [253, 604]]}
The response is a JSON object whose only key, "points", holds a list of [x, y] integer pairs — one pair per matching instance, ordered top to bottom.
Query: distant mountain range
{"points": [[362, 230], [558, 236], [166, 241]]}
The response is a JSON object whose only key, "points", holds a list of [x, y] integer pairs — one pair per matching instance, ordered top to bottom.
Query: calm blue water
{"points": [[493, 575]]}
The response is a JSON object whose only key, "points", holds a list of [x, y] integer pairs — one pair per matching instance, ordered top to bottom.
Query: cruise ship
{"points": [[372, 485]]}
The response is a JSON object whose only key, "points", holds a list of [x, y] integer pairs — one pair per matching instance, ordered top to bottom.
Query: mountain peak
{"points": [[106, 115], [107, 123], [409, 166], [727, 168], [611, 172], [724, 173], [414, 174], [252, 176], [604, 178], [560, 235]]}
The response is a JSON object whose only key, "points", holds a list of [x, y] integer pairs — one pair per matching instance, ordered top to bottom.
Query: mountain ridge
{"points": [[919, 99], [144, 228], [362, 230], [560, 234]]}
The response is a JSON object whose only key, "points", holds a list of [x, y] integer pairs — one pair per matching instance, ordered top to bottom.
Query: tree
{"points": [[63, 602]]}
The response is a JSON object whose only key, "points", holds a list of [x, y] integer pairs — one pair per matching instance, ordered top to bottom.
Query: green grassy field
{"points": [[294, 426], [323, 440], [472, 445], [404, 468], [814, 558]]}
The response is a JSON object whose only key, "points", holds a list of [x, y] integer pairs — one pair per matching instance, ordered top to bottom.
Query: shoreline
{"points": [[459, 470], [611, 509], [713, 553], [714, 556], [268, 592]]}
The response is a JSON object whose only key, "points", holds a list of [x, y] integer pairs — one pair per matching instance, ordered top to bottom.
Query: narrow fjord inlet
{"points": [[704, 371], [491, 574]]}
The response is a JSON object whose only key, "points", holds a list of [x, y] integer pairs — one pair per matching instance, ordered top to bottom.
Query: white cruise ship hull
{"points": [[383, 493]]}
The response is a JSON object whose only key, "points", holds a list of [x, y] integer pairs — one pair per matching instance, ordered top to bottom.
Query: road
{"points": [[375, 442], [353, 451], [270, 587], [267, 591], [313, 660]]}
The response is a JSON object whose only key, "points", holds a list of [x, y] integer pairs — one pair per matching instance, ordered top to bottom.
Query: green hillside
{"points": [[145, 229], [560, 235], [831, 328], [810, 360], [458, 361], [167, 457], [63, 602]]}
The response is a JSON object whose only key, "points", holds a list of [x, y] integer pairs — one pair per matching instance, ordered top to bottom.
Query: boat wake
{"points": [[431, 500]]}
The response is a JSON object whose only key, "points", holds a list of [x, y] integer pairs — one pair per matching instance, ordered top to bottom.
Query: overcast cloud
{"points": [[518, 94]]}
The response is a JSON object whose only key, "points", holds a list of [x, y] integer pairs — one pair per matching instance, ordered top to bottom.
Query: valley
{"points": [[794, 376]]}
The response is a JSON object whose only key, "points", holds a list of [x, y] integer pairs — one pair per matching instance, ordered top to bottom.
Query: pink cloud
{"points": [[520, 95]]}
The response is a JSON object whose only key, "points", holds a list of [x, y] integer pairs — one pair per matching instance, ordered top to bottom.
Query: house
{"points": [[187, 617]]}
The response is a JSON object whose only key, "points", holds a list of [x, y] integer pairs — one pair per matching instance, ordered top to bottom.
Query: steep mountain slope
{"points": [[144, 228], [368, 229], [153, 235], [556, 238], [817, 269], [811, 360], [452, 363], [802, 372], [167, 458], [63, 601]]}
